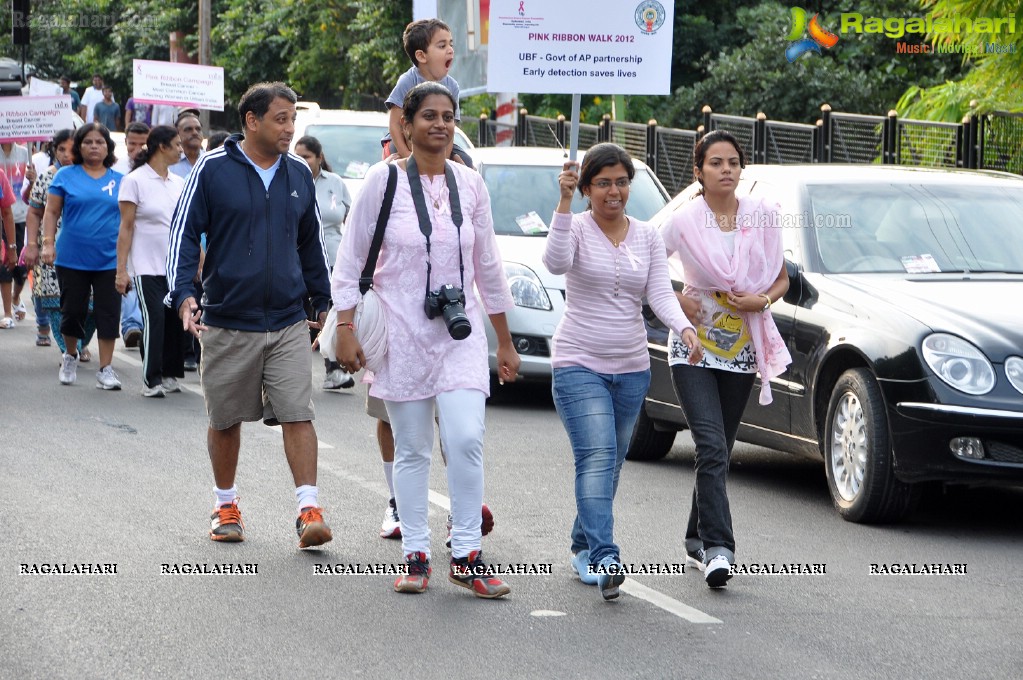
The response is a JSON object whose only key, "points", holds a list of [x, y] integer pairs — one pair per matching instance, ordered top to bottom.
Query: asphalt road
{"points": [[111, 478]]}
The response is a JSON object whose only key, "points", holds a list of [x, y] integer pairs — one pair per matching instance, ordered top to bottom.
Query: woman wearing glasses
{"points": [[601, 366]]}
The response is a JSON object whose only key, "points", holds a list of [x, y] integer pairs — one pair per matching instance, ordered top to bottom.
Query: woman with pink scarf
{"points": [[731, 252]]}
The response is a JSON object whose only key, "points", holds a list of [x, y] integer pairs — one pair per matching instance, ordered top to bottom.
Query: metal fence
{"points": [[993, 140]]}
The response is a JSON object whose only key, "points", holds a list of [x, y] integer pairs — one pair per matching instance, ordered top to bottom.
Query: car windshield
{"points": [[350, 149], [523, 197], [918, 228]]}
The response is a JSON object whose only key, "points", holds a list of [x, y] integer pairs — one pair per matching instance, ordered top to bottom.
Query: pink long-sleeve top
{"points": [[602, 329], [422, 359]]}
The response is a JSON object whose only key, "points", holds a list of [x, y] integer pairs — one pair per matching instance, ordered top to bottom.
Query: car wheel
{"points": [[649, 443], [858, 455]]}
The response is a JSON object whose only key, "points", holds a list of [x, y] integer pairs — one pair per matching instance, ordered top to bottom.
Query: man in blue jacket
{"points": [[256, 204]]}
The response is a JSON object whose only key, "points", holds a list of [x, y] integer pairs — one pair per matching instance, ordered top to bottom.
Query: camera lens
{"points": [[458, 324]]}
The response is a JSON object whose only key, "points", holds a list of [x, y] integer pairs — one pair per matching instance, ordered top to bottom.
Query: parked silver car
{"points": [[523, 186]]}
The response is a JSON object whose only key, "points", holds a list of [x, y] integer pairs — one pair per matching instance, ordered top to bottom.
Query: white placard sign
{"points": [[580, 46], [165, 82], [38, 87], [33, 119]]}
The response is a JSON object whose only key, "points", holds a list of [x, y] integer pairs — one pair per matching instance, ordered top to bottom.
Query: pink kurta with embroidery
{"points": [[422, 358]]}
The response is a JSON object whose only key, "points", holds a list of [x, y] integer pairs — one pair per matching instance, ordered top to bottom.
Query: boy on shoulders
{"points": [[429, 46]]}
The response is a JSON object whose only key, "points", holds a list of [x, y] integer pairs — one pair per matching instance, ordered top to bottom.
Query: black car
{"points": [[10, 77], [904, 318]]}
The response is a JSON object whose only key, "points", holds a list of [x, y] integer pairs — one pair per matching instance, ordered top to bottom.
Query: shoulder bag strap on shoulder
{"points": [[366, 280]]}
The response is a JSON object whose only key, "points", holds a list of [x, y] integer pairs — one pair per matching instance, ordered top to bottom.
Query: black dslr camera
{"points": [[450, 302]]}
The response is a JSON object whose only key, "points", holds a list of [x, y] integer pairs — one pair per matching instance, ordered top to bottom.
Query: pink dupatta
{"points": [[709, 265]]}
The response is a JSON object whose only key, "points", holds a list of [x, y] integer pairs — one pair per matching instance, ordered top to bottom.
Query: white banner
{"points": [[580, 46], [165, 82], [37, 87], [33, 119]]}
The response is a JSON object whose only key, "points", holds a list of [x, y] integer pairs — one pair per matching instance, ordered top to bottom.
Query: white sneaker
{"points": [[68, 373], [106, 379], [338, 379], [171, 385], [154, 391], [391, 526], [695, 560], [719, 570]]}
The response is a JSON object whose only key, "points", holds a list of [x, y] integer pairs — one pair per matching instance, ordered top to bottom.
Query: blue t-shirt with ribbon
{"points": [[87, 239]]}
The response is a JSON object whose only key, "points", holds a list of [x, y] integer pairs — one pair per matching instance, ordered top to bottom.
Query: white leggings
{"points": [[460, 416]]}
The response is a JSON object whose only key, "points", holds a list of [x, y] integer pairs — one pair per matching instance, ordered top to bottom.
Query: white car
{"points": [[350, 139], [523, 186]]}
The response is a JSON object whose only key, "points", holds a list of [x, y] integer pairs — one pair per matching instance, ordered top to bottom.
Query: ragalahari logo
{"points": [[819, 36]]}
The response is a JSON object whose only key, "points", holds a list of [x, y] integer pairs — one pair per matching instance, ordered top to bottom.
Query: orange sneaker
{"points": [[226, 523], [311, 528], [472, 572], [418, 574]]}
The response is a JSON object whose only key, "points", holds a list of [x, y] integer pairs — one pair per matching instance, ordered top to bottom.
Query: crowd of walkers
{"points": [[236, 251]]}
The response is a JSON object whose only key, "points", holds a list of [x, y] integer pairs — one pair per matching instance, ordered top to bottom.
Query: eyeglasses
{"points": [[621, 183]]}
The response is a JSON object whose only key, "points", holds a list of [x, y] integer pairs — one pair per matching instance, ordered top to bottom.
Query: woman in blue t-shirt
{"points": [[84, 195]]}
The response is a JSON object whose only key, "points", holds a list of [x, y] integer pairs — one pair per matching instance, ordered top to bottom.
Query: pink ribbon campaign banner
{"points": [[580, 46], [165, 82], [34, 119]]}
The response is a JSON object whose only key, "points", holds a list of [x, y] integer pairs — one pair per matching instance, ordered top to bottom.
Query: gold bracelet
{"points": [[47, 239], [768, 305]]}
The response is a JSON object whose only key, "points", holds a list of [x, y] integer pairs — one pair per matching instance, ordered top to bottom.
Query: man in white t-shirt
{"points": [[92, 96]]}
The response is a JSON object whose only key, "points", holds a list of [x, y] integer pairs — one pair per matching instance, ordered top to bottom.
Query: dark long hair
{"points": [[415, 97], [159, 136], [59, 138], [705, 142], [76, 147], [316, 149], [600, 156]]}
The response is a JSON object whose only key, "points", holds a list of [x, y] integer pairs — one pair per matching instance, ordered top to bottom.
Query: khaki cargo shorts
{"points": [[242, 370]]}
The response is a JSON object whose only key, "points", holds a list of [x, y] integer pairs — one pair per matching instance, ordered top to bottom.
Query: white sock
{"points": [[389, 476], [306, 495], [226, 496]]}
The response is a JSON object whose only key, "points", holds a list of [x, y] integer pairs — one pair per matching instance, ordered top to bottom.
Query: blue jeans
{"points": [[131, 315], [713, 401], [599, 411]]}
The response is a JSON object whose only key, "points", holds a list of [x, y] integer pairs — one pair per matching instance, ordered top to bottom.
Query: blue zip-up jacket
{"points": [[264, 249]]}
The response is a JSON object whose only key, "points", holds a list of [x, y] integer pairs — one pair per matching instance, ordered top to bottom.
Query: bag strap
{"points": [[366, 280]]}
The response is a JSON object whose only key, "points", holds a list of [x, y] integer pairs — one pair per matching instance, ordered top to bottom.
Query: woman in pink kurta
{"points": [[425, 366]]}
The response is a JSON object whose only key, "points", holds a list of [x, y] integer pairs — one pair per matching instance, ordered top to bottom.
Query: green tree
{"points": [[861, 74], [994, 79]]}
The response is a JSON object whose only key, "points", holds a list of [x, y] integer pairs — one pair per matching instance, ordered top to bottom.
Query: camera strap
{"points": [[425, 225]]}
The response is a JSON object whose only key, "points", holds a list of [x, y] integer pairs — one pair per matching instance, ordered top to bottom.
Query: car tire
{"points": [[648, 443], [858, 454]]}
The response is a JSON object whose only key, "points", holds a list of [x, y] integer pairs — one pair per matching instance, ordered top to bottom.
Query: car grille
{"points": [[1003, 453]]}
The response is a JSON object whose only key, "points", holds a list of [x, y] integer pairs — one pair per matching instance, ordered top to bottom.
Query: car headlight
{"points": [[526, 289], [959, 363], [1014, 372]]}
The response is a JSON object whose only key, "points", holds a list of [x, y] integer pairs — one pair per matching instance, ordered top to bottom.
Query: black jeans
{"points": [[713, 401]]}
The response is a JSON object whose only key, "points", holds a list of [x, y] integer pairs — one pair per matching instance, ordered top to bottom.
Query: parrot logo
{"points": [[819, 36]]}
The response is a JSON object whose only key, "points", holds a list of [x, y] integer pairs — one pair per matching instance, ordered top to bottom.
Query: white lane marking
{"points": [[122, 355], [320, 443], [630, 587], [668, 604], [546, 612]]}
